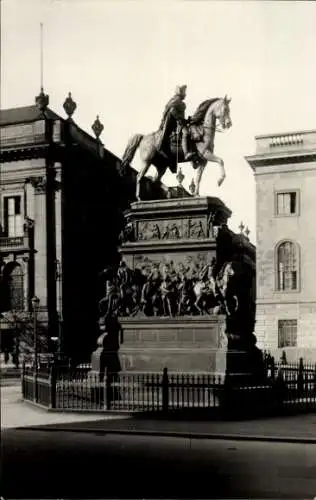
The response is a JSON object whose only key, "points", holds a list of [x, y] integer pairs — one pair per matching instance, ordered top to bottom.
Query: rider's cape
{"points": [[175, 109]]}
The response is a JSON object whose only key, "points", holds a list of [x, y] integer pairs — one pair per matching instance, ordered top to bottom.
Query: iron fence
{"points": [[296, 382], [38, 386], [291, 387], [132, 391]]}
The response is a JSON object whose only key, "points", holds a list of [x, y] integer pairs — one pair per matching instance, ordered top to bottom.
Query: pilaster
{"points": [[58, 201], [40, 239]]}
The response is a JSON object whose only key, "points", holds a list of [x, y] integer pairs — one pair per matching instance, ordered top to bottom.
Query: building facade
{"points": [[285, 172], [60, 213]]}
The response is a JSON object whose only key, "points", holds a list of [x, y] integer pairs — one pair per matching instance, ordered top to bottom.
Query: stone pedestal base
{"points": [[181, 344], [188, 344]]}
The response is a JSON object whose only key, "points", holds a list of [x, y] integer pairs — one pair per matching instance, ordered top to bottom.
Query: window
{"points": [[286, 203], [13, 224], [287, 266], [12, 287], [16, 288], [287, 333]]}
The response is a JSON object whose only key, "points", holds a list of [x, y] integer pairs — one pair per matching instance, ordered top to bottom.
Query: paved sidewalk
{"points": [[16, 413], [287, 428]]}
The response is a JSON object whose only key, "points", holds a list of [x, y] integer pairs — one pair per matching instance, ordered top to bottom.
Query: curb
{"points": [[34, 404], [101, 414], [183, 435]]}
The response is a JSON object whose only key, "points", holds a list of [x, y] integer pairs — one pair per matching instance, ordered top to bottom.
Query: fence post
{"points": [[283, 358], [272, 368], [300, 377], [23, 379], [53, 384], [35, 385], [108, 389], [280, 389], [165, 391]]}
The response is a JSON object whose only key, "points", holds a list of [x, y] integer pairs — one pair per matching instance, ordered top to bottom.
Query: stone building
{"points": [[285, 174], [61, 201]]}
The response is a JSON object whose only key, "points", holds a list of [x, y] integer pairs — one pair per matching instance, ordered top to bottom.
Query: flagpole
{"points": [[42, 59], [41, 100]]}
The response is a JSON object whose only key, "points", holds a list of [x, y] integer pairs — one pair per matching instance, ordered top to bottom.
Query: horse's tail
{"points": [[130, 149]]}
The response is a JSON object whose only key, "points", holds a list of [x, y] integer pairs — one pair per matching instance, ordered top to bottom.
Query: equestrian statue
{"points": [[181, 140]]}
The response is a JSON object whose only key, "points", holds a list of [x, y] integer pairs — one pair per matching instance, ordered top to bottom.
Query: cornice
{"points": [[285, 134], [23, 153], [269, 159], [18, 176], [161, 246]]}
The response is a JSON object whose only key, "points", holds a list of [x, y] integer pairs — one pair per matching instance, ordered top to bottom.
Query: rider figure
{"points": [[176, 108]]}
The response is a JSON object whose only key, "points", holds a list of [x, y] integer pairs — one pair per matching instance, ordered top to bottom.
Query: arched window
{"points": [[287, 266], [13, 286]]}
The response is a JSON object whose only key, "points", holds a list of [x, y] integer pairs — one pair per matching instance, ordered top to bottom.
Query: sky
{"points": [[123, 59]]}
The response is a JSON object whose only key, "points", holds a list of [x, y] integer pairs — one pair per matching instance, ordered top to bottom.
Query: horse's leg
{"points": [[147, 151], [215, 159], [160, 173], [199, 173], [140, 175], [197, 304], [169, 306], [180, 307], [166, 310]]}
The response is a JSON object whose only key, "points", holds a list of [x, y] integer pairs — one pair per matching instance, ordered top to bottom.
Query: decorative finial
{"points": [[42, 100], [69, 106], [97, 127], [180, 177], [192, 187], [241, 227], [247, 232]]}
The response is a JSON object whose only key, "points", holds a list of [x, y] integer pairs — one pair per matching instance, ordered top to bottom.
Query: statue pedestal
{"points": [[175, 237], [174, 244]]}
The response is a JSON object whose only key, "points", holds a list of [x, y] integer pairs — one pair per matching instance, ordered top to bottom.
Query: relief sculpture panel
{"points": [[193, 228], [159, 286]]}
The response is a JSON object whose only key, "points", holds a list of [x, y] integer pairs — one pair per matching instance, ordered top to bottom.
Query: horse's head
{"points": [[217, 108], [222, 112]]}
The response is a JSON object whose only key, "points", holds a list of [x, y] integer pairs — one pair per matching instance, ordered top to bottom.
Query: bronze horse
{"points": [[202, 127]]}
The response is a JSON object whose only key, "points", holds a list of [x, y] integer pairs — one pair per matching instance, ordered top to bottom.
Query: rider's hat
{"points": [[180, 89]]}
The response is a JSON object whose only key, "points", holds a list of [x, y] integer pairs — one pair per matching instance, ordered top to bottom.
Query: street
{"points": [[97, 462], [42, 463]]}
